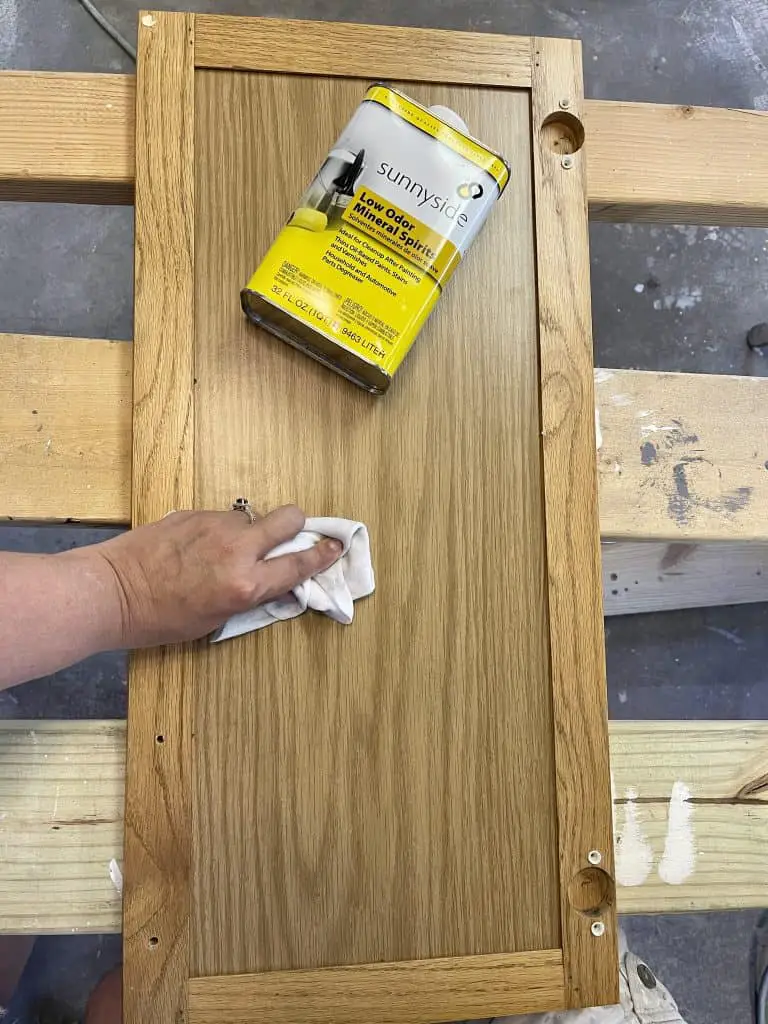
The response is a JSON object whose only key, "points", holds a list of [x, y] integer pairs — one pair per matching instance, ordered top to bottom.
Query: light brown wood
{"points": [[361, 51], [66, 137], [646, 161], [677, 164], [94, 378], [65, 429], [683, 456], [653, 576], [577, 646], [158, 816], [373, 816], [54, 875], [415, 992]]}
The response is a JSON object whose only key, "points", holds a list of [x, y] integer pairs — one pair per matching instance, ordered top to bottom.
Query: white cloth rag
{"points": [[332, 592]]}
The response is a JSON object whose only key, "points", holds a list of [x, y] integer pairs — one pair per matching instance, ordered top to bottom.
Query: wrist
{"points": [[101, 605]]}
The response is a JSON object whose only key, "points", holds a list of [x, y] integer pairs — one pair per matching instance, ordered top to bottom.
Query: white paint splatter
{"points": [[9, 30], [639, 288], [657, 303], [651, 428], [598, 431], [623, 697], [634, 853], [679, 858], [116, 876]]}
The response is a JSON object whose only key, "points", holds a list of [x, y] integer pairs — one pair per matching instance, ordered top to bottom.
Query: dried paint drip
{"points": [[634, 853], [679, 858]]}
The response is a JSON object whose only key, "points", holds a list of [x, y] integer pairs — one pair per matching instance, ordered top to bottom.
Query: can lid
{"points": [[450, 117]]}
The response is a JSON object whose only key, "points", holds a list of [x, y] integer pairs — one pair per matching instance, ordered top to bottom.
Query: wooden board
{"points": [[66, 137], [659, 163], [677, 164], [65, 377], [65, 429], [672, 442], [653, 576], [62, 793], [158, 816], [375, 818]]}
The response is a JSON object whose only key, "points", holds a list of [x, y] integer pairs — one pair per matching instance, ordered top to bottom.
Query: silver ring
{"points": [[243, 505]]}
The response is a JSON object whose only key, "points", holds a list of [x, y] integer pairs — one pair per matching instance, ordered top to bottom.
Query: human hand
{"points": [[184, 576]]}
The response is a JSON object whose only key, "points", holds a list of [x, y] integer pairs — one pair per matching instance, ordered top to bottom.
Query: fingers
{"points": [[278, 526], [286, 572]]}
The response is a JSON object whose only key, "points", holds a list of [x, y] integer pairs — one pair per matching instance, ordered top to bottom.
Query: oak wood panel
{"points": [[361, 51], [66, 137], [646, 161], [677, 164], [65, 429], [683, 455], [577, 645], [62, 787], [362, 789], [157, 813], [413, 992]]}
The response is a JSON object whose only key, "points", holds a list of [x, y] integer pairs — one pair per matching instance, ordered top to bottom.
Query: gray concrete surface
{"points": [[67, 270]]}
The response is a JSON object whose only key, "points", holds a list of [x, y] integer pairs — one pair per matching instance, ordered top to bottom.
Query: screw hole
{"points": [[160, 738], [594, 857], [597, 928], [153, 941]]}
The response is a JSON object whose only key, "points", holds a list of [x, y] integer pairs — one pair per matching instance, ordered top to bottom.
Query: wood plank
{"points": [[338, 48], [66, 137], [646, 161], [677, 164], [82, 390], [65, 429], [683, 456], [654, 576], [577, 644], [158, 813], [343, 836], [54, 874], [414, 992]]}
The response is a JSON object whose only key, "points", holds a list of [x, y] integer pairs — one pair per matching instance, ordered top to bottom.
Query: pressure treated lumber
{"points": [[338, 48], [66, 137], [647, 161], [677, 164], [65, 429], [683, 456], [653, 576], [576, 640], [62, 789], [158, 814], [388, 993]]}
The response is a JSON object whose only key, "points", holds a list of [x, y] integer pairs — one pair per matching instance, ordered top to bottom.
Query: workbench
{"points": [[683, 525]]}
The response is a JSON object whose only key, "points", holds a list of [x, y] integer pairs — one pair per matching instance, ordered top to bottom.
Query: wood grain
{"points": [[361, 51], [66, 138], [646, 161], [677, 164], [84, 388], [65, 429], [672, 463], [653, 576], [577, 645], [158, 789], [362, 789], [54, 875], [415, 992]]}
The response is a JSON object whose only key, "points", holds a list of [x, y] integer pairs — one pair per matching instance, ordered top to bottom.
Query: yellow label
{"points": [[403, 233], [343, 282]]}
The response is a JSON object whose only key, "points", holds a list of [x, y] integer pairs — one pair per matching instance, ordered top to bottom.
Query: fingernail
{"points": [[334, 547]]}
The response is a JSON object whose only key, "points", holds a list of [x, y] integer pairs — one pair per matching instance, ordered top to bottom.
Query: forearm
{"points": [[54, 611]]}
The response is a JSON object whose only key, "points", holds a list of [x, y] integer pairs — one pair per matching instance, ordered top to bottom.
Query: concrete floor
{"points": [[67, 270]]}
